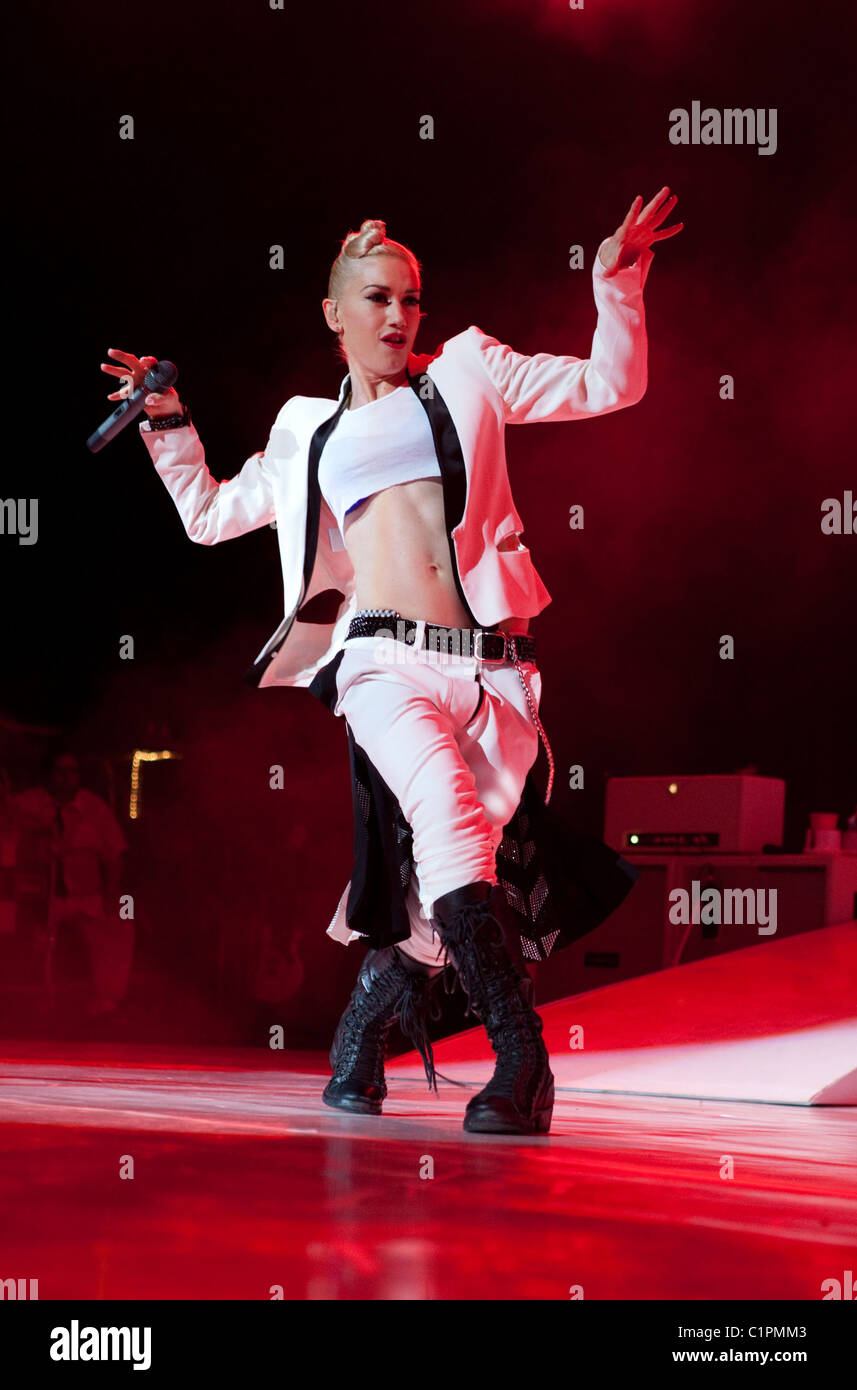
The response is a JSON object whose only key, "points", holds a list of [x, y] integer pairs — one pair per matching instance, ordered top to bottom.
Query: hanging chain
{"points": [[513, 651], [533, 711]]}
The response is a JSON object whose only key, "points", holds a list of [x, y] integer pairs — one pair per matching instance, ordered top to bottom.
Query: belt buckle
{"points": [[488, 660]]}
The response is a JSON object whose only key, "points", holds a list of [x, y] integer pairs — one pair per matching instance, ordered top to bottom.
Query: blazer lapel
{"points": [[447, 447], [313, 511], [254, 674]]}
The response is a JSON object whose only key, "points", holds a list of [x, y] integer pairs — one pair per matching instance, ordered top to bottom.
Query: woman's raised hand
{"points": [[638, 231], [131, 373]]}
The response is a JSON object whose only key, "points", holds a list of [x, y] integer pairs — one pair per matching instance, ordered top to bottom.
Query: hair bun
{"points": [[372, 232]]}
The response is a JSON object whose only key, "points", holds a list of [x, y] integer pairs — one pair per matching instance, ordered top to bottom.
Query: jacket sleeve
{"points": [[542, 388], [212, 511]]}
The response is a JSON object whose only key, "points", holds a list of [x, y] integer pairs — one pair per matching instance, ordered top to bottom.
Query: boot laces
{"points": [[492, 985], [394, 993], [367, 1022]]}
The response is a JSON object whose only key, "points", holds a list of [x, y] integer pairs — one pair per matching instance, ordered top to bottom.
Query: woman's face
{"points": [[382, 300]]}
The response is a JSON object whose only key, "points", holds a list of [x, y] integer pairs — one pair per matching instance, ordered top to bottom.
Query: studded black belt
{"points": [[492, 647]]}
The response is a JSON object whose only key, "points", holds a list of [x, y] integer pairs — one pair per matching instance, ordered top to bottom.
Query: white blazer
{"points": [[471, 387]]}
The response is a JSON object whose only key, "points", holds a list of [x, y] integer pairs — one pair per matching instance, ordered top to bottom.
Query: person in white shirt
{"points": [[425, 651]]}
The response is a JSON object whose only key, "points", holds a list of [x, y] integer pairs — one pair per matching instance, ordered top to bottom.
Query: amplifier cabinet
{"points": [[695, 815], [671, 914]]}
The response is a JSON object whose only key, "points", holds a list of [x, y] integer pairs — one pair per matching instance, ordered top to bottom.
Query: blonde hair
{"points": [[371, 240]]}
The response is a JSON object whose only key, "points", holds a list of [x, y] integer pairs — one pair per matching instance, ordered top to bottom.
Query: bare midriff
{"points": [[397, 544]]}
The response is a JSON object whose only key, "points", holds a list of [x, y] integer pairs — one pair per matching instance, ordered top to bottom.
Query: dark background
{"points": [[256, 127]]}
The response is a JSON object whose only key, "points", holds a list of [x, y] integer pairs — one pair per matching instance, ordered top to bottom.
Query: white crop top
{"points": [[386, 441]]}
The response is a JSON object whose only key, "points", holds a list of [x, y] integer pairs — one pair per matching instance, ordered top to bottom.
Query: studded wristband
{"points": [[170, 422]]}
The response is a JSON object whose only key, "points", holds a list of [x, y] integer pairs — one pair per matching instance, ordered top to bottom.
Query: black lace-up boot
{"points": [[477, 935], [390, 986]]}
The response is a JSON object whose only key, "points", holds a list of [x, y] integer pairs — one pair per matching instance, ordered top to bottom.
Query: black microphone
{"points": [[158, 378]]}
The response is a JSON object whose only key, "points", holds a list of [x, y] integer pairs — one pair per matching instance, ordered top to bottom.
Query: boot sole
{"points": [[354, 1105], [482, 1118], [487, 1122]]}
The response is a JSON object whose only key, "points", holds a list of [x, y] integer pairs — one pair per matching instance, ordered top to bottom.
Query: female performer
{"points": [[408, 596]]}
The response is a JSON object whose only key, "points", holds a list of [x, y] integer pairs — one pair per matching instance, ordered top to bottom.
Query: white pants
{"points": [[458, 772]]}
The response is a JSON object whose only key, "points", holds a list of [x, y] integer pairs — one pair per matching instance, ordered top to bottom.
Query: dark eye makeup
{"points": [[378, 294]]}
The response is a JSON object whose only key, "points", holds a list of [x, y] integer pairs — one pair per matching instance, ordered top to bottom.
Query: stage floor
{"points": [[244, 1181]]}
